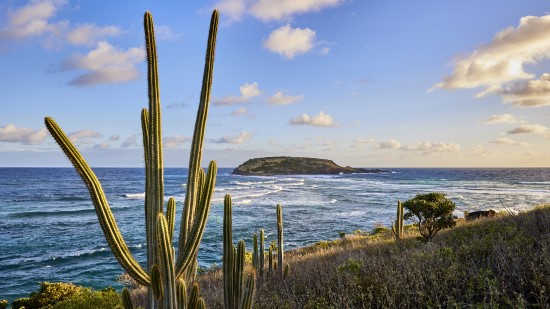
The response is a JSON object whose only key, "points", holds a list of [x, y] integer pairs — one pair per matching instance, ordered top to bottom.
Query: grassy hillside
{"points": [[498, 262]]}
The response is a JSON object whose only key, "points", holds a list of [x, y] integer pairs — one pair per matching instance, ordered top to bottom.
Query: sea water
{"points": [[49, 229]]}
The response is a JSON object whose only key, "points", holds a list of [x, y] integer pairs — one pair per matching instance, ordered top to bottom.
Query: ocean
{"points": [[49, 229]]}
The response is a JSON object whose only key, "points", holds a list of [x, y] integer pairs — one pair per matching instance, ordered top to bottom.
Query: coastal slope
{"points": [[294, 166]]}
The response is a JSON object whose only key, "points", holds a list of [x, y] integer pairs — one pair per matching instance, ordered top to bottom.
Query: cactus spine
{"points": [[397, 227], [233, 266], [162, 272]]}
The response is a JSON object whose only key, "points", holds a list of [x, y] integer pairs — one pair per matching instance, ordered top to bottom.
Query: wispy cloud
{"points": [[269, 10], [165, 33], [90, 34], [290, 42], [105, 64], [247, 91], [280, 99], [177, 105], [240, 111], [504, 118], [320, 120], [530, 129], [12, 134], [83, 135], [114, 137], [243, 137], [175, 141], [508, 141], [428, 147]]}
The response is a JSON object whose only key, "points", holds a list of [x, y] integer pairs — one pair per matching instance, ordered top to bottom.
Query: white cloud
{"points": [[268, 10], [33, 20], [165, 33], [90, 34], [289, 42], [503, 59], [106, 64], [247, 90], [530, 93], [280, 99], [240, 111], [504, 118], [320, 120], [530, 129], [12, 134], [83, 135], [114, 137], [239, 139], [131, 141], [175, 141], [507, 141], [389, 144], [103, 145], [427, 147]]}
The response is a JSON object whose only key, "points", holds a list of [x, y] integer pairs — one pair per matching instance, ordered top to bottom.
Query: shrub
{"points": [[433, 212], [3, 304]]}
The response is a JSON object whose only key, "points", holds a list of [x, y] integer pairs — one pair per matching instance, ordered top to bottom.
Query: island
{"points": [[269, 166]]}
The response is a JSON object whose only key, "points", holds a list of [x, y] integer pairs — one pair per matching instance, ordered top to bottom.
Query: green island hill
{"points": [[269, 166]]}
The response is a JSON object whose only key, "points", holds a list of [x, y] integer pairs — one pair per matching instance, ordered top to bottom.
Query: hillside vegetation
{"points": [[501, 262]]}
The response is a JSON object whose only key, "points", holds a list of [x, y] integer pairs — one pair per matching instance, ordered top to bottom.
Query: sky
{"points": [[366, 83]]}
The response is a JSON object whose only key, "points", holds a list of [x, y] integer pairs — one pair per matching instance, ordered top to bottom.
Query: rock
{"points": [[295, 166], [480, 214]]}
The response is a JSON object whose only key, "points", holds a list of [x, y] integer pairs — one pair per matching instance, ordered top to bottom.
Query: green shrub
{"points": [[433, 212], [105, 299], [3, 304]]}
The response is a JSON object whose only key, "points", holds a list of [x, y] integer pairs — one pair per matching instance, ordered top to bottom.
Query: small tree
{"points": [[433, 212]]}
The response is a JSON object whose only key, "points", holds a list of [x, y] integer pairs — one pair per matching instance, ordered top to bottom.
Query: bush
{"points": [[433, 212], [3, 304]]}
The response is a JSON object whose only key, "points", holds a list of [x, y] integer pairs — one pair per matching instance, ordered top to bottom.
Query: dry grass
{"points": [[499, 262]]}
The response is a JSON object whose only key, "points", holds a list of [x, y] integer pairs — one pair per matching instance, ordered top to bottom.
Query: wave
{"points": [[534, 182], [135, 196], [42, 213]]}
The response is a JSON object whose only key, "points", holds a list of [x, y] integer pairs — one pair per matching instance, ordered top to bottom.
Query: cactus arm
{"points": [[198, 137], [105, 216], [149, 216], [171, 217], [198, 228], [280, 249], [262, 251], [227, 252], [166, 259], [238, 276], [156, 282], [182, 294], [249, 294], [194, 298], [126, 300], [201, 303]]}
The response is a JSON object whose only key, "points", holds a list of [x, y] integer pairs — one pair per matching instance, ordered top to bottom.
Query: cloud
{"points": [[268, 10], [33, 20], [165, 33], [90, 34], [289, 42], [503, 59], [105, 65], [247, 91], [532, 93], [279, 99], [176, 105], [240, 111], [504, 118], [320, 120], [530, 129], [12, 134], [83, 135], [114, 137], [239, 139], [175, 141], [508, 141], [130, 142], [389, 144], [103, 145], [427, 147]]}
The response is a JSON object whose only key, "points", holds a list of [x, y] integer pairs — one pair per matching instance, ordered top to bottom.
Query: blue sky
{"points": [[364, 83]]}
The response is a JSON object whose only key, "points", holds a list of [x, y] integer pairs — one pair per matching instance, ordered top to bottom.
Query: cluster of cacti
{"points": [[397, 227], [278, 266], [166, 274], [235, 297]]}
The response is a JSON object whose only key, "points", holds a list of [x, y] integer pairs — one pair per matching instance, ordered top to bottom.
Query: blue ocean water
{"points": [[49, 229]]}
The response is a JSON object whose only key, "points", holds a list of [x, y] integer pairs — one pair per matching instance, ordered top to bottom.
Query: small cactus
{"points": [[397, 227], [280, 249], [262, 252]]}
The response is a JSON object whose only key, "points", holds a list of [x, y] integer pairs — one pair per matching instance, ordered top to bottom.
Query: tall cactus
{"points": [[397, 227], [280, 249], [262, 252], [255, 253], [233, 266], [165, 277]]}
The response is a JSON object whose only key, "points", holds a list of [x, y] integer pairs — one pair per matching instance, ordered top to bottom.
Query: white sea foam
{"points": [[135, 196]]}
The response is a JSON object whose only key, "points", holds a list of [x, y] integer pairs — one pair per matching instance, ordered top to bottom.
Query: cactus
{"points": [[397, 227], [280, 249], [262, 252], [255, 253], [270, 258], [233, 266], [162, 271]]}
